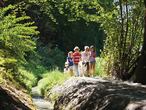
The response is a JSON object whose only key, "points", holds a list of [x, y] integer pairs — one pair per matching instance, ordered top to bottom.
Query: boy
{"points": [[76, 59]]}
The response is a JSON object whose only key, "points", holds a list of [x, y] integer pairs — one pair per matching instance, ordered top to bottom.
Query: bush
{"points": [[16, 38], [51, 58], [100, 65], [36, 69], [26, 78], [51, 79]]}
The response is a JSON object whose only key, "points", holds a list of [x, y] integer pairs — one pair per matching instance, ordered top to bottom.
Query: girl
{"points": [[85, 60], [92, 60]]}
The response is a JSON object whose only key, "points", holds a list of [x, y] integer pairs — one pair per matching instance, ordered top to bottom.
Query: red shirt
{"points": [[76, 57]]}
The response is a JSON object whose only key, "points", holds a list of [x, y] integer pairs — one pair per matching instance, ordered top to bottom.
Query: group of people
{"points": [[81, 63]]}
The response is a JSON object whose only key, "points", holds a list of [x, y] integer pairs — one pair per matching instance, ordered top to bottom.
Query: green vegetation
{"points": [[36, 35], [124, 36], [16, 40], [50, 58], [100, 67], [26, 78], [51, 79]]}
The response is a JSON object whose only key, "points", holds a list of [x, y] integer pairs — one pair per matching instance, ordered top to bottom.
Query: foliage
{"points": [[69, 16], [60, 22], [63, 23], [123, 28], [15, 38], [51, 58], [100, 67], [36, 69], [25, 78], [51, 79]]}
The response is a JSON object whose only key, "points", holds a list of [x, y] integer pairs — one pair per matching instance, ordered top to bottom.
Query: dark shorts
{"points": [[92, 62]]}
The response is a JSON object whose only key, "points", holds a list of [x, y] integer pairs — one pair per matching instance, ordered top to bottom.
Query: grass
{"points": [[51, 79]]}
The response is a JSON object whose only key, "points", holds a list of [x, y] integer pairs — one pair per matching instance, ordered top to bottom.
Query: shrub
{"points": [[15, 38], [51, 57], [100, 65], [25, 78], [51, 79]]}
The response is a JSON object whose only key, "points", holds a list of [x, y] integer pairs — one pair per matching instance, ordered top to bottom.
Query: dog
{"points": [[82, 66]]}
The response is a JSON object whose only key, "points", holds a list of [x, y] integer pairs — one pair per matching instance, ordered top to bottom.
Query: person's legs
{"points": [[93, 68], [80, 69], [71, 70], [76, 71], [88, 72], [78, 74]]}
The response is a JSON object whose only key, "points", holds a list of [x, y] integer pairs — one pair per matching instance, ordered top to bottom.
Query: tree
{"points": [[73, 22], [122, 25], [16, 38], [140, 71]]}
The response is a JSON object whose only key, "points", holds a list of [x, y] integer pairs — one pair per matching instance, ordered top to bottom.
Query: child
{"points": [[76, 59], [70, 62]]}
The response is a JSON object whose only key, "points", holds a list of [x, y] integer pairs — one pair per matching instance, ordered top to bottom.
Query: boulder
{"points": [[83, 93], [12, 98]]}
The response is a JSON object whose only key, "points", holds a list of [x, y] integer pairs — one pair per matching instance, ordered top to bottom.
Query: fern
{"points": [[16, 37]]}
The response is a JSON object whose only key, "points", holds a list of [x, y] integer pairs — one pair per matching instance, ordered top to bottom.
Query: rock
{"points": [[83, 93], [14, 99]]}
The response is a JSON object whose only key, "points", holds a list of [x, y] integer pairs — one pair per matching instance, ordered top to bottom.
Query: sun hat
{"points": [[91, 46], [86, 47], [76, 48], [70, 52]]}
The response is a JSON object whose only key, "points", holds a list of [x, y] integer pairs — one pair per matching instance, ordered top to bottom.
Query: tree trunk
{"points": [[140, 71]]}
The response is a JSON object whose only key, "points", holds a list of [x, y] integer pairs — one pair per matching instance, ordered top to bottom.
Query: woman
{"points": [[85, 57]]}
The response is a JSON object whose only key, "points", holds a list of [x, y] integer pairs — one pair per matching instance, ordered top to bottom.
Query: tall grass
{"points": [[100, 64], [51, 79]]}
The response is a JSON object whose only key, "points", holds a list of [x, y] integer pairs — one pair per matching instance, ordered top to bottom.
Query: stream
{"points": [[39, 101]]}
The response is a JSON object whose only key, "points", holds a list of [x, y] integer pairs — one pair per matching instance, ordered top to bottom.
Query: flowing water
{"points": [[40, 102]]}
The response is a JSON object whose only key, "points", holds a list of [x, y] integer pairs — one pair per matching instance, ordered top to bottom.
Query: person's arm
{"points": [[89, 55], [94, 55], [81, 56], [69, 59]]}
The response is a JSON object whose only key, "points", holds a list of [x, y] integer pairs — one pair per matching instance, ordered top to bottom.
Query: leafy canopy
{"points": [[16, 37]]}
